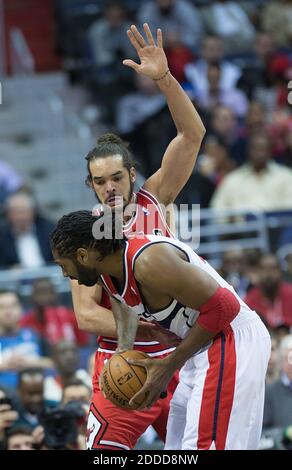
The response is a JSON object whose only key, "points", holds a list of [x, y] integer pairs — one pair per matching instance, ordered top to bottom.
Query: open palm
{"points": [[152, 57]]}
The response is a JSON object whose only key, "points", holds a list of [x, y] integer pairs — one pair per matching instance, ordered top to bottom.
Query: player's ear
{"points": [[133, 174], [88, 182], [82, 256]]}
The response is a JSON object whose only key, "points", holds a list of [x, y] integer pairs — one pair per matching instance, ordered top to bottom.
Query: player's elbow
{"points": [[194, 134], [219, 311], [83, 321]]}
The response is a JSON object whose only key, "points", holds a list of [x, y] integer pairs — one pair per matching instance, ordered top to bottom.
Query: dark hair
{"points": [[114, 3], [106, 146], [74, 231], [8, 291], [30, 371], [75, 382], [18, 429]]}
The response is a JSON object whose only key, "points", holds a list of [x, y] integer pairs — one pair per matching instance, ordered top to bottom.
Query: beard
{"points": [[125, 200], [86, 276]]}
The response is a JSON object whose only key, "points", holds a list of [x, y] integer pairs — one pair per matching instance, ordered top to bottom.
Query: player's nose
{"points": [[110, 187]]}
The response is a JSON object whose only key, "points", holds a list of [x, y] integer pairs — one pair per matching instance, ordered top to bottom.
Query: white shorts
{"points": [[219, 401]]}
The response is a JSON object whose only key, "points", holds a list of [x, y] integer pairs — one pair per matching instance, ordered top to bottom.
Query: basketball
{"points": [[120, 381]]}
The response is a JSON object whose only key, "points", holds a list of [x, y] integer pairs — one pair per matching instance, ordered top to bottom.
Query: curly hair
{"points": [[76, 230]]}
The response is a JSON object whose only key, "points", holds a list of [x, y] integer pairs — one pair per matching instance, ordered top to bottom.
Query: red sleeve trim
{"points": [[219, 311]]}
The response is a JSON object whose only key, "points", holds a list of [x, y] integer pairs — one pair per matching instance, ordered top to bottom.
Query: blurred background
{"points": [[63, 85]]}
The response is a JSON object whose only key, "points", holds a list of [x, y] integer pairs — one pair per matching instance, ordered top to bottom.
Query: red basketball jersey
{"points": [[147, 218]]}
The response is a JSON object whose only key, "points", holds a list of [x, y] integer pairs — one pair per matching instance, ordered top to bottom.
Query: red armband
{"points": [[219, 311]]}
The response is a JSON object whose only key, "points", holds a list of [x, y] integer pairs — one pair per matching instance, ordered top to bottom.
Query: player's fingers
{"points": [[138, 36], [150, 38], [159, 38], [133, 40], [130, 63], [142, 362], [140, 399]]}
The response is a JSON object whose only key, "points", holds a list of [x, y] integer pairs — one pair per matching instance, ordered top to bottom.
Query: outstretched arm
{"points": [[181, 154]]}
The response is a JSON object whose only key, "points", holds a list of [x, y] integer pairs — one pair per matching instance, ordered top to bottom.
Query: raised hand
{"points": [[152, 57]]}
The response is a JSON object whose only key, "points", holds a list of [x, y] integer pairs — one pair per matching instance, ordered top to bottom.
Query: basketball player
{"points": [[111, 175], [224, 353]]}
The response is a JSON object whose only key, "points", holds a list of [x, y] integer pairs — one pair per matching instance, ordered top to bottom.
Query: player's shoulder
{"points": [[152, 260]]}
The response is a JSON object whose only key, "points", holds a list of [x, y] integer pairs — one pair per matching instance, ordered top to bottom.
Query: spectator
{"points": [[173, 17], [276, 19], [229, 21], [107, 38], [109, 44], [212, 53], [178, 56], [255, 68], [216, 94], [273, 94], [137, 107], [255, 118], [223, 125], [282, 135], [213, 164], [10, 181], [267, 185], [25, 235], [252, 260], [288, 267], [233, 270], [272, 298], [53, 322], [20, 347], [66, 359], [273, 366], [76, 390], [78, 395], [31, 396], [278, 399], [7, 415], [19, 438]]}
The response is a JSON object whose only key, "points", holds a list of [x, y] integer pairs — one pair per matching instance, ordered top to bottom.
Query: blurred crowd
{"points": [[234, 59]]}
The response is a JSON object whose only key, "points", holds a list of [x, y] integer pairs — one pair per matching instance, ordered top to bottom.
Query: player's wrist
{"points": [[162, 75], [171, 362]]}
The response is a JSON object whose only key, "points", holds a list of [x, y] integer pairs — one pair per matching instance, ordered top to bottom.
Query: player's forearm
{"points": [[183, 112], [90, 316], [96, 319], [99, 321], [127, 324], [197, 338]]}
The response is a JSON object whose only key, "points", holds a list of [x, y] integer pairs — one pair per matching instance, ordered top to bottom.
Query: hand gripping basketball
{"points": [[120, 381]]}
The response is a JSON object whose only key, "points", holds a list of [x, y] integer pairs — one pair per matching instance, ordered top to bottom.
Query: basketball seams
{"points": [[129, 365], [136, 375], [114, 382]]}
